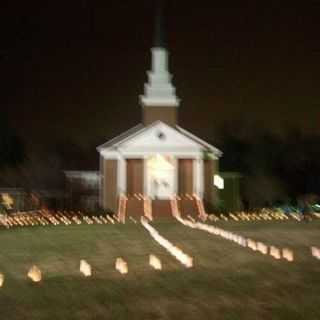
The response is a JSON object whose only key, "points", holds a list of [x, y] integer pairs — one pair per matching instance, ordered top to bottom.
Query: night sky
{"points": [[72, 71]]}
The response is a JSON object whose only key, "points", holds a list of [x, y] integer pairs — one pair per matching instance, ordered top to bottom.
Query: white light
{"points": [[218, 181], [7, 200], [252, 244], [261, 247], [173, 250], [275, 252], [315, 252], [287, 254], [155, 262], [121, 266], [85, 268], [35, 274], [1, 279]]}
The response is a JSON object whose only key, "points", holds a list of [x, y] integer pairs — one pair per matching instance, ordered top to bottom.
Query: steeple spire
{"points": [[159, 32], [159, 101]]}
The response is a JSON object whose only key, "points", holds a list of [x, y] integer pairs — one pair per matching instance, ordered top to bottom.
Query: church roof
{"points": [[137, 131], [121, 137]]}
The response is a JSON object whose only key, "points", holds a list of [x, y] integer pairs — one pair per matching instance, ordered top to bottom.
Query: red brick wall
{"points": [[167, 115], [134, 176], [185, 176], [110, 184]]}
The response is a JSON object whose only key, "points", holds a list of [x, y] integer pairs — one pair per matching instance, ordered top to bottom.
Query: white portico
{"points": [[158, 161]]}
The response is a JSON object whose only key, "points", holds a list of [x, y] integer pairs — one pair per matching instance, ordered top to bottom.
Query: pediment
{"points": [[159, 135], [156, 138]]}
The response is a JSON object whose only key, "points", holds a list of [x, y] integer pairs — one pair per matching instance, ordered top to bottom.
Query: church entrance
{"points": [[134, 176], [161, 177], [185, 180]]}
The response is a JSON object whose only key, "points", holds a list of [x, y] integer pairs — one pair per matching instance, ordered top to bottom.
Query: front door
{"points": [[134, 176], [185, 176], [161, 177]]}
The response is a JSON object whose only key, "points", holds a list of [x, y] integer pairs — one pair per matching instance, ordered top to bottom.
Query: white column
{"points": [[122, 175], [176, 175], [195, 175], [198, 176], [201, 178], [101, 182], [103, 187], [146, 190]]}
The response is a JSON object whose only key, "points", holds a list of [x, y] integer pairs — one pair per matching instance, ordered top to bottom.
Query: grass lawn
{"points": [[227, 282]]}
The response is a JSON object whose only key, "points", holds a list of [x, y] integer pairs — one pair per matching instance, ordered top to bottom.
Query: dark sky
{"points": [[72, 71]]}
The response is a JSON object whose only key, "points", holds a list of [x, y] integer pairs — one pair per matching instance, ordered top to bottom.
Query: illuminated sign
{"points": [[218, 181]]}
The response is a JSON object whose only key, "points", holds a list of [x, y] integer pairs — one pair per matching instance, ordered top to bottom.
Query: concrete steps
{"points": [[188, 206], [134, 208], [161, 209]]}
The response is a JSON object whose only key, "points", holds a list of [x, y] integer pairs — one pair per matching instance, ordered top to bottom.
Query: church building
{"points": [[157, 159]]}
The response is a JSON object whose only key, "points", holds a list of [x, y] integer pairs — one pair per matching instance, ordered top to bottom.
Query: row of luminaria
{"points": [[45, 217], [48, 218], [254, 245], [35, 274]]}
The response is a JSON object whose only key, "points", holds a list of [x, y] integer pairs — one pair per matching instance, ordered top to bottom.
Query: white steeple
{"points": [[159, 90]]}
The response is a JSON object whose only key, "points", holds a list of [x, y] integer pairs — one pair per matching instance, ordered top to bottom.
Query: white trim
{"points": [[156, 102], [122, 137], [147, 139], [181, 142], [163, 150], [142, 154]]}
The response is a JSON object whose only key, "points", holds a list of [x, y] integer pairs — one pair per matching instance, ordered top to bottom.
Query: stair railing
{"points": [[174, 207], [122, 208], [147, 208], [202, 213]]}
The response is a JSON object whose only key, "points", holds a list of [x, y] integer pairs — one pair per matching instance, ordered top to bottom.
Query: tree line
{"points": [[277, 169]]}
